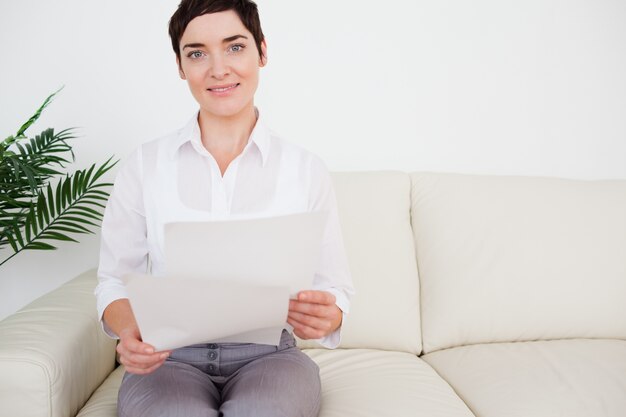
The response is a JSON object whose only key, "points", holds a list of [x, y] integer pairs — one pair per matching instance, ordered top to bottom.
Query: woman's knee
{"points": [[285, 384], [169, 391]]}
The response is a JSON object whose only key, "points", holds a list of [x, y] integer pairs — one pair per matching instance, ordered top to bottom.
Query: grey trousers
{"points": [[228, 379]]}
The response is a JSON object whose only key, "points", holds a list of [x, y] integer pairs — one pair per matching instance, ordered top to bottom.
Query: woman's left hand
{"points": [[314, 314]]}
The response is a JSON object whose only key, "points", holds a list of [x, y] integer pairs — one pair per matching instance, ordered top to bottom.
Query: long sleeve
{"points": [[123, 247], [333, 274]]}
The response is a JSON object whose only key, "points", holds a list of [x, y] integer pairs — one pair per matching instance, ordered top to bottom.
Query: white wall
{"points": [[487, 86]]}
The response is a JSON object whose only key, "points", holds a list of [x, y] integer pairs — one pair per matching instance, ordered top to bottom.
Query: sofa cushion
{"points": [[374, 210], [519, 258], [573, 378], [355, 382], [361, 382], [103, 402]]}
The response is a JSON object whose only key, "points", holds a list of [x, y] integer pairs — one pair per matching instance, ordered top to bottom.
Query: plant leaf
{"points": [[35, 116], [75, 212], [57, 236], [40, 246]]}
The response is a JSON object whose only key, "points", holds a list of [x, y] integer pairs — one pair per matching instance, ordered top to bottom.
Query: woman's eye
{"points": [[236, 48], [195, 54]]}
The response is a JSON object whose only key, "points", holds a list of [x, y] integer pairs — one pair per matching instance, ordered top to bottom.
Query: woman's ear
{"points": [[263, 60], [181, 73]]}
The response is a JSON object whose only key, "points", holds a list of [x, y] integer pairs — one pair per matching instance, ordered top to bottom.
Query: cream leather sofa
{"points": [[476, 296]]}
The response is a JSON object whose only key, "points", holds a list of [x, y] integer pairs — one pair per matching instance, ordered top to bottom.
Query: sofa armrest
{"points": [[53, 353]]}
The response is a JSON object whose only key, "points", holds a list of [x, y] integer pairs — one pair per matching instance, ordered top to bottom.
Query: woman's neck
{"points": [[226, 134], [226, 137]]}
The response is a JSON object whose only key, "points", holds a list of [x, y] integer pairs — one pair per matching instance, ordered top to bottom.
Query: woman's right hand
{"points": [[138, 357]]}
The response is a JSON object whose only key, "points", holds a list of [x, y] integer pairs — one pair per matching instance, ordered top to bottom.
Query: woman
{"points": [[223, 164]]}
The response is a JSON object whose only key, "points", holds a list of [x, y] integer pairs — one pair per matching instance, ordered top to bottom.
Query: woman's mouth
{"points": [[222, 88]]}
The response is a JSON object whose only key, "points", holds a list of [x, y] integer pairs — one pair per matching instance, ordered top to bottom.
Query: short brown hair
{"points": [[190, 9]]}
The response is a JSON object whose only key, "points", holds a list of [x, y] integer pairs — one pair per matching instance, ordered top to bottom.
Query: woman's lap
{"points": [[285, 382]]}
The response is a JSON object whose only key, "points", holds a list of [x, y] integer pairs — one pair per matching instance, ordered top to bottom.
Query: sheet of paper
{"points": [[274, 251], [227, 281], [172, 313]]}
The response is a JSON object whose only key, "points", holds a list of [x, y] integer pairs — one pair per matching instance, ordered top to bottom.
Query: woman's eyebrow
{"points": [[234, 37], [225, 40], [194, 45]]}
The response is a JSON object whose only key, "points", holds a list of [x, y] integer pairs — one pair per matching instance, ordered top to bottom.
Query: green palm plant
{"points": [[33, 212]]}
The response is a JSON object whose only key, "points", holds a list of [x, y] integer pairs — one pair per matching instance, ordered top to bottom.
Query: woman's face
{"points": [[220, 61]]}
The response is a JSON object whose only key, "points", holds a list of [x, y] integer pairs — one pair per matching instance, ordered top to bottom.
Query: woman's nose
{"points": [[219, 68]]}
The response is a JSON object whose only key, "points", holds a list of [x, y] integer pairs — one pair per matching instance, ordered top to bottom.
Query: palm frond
{"points": [[35, 116], [20, 133], [42, 149], [32, 162], [74, 206], [33, 214]]}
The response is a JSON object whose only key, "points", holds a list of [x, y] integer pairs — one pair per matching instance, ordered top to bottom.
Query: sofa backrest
{"points": [[374, 210], [519, 258]]}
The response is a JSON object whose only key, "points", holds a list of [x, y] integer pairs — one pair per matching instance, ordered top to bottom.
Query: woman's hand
{"points": [[314, 314], [138, 357]]}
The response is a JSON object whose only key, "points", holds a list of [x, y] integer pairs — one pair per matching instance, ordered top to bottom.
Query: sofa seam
{"points": [[417, 265], [524, 341], [459, 396]]}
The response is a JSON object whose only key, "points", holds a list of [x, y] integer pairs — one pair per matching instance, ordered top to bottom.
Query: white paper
{"points": [[274, 251], [227, 281], [172, 313]]}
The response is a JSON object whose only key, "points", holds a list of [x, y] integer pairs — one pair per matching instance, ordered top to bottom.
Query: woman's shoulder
{"points": [[167, 142], [136, 158]]}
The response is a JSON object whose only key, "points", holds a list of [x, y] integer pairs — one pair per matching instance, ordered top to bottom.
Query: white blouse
{"points": [[175, 178]]}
